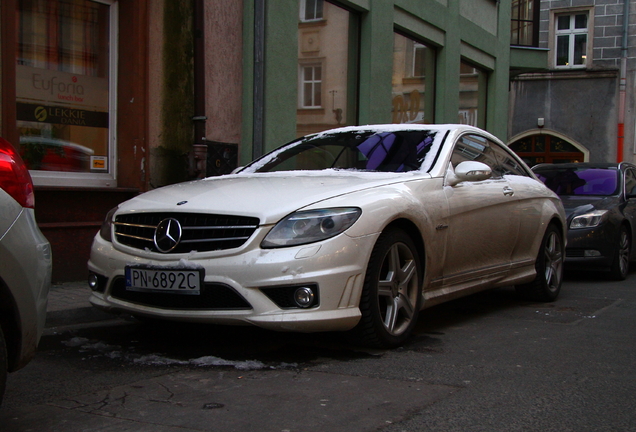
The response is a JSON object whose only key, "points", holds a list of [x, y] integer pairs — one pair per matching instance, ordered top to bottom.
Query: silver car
{"points": [[353, 229], [25, 266]]}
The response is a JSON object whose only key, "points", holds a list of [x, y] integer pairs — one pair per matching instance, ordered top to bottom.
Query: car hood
{"points": [[267, 196], [581, 204]]}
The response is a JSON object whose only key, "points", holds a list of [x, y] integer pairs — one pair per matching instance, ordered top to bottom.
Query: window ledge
{"points": [[311, 111]]}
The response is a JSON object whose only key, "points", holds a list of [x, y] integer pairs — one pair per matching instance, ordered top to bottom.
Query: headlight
{"points": [[588, 220], [107, 225], [310, 226]]}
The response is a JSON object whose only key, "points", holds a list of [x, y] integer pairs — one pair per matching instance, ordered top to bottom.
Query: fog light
{"points": [[592, 253], [93, 282], [304, 297]]}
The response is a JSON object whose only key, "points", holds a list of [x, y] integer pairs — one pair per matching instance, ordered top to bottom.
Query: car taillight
{"points": [[14, 175]]}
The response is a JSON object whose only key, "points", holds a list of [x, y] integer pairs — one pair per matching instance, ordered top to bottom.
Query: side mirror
{"points": [[471, 171]]}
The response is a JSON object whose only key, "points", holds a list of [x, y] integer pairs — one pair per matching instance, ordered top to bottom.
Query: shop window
{"points": [[524, 25], [571, 40], [327, 66], [413, 74], [63, 90], [472, 95]]}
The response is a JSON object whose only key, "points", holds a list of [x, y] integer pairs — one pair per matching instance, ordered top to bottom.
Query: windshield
{"points": [[385, 151], [580, 181]]}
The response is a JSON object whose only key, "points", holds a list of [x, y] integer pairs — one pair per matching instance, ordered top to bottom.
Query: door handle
{"points": [[508, 191]]}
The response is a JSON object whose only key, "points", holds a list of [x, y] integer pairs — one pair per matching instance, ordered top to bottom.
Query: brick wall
{"points": [[608, 29]]}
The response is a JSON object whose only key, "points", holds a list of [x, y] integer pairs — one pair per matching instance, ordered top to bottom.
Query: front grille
{"points": [[201, 232], [214, 296]]}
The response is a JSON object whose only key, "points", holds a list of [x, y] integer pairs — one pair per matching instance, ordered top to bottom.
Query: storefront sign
{"points": [[55, 87], [61, 115]]}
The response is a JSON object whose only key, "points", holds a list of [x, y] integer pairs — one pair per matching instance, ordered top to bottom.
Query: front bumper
{"points": [[591, 248], [335, 266]]}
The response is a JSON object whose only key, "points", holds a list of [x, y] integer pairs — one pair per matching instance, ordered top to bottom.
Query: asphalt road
{"points": [[488, 362]]}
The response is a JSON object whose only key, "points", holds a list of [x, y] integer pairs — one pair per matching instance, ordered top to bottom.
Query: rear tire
{"points": [[620, 264], [549, 265], [391, 295], [3, 365]]}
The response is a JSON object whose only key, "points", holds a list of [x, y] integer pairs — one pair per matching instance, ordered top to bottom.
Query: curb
{"points": [[68, 305], [80, 315]]}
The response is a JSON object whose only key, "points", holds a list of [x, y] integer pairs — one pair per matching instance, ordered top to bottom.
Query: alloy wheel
{"points": [[623, 252], [553, 261], [398, 289]]}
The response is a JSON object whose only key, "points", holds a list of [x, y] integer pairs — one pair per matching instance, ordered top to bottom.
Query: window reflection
{"points": [[327, 44], [411, 62], [62, 87], [472, 95], [388, 151]]}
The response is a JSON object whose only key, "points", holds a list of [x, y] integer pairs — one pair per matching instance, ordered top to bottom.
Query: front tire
{"points": [[620, 264], [549, 265], [391, 295]]}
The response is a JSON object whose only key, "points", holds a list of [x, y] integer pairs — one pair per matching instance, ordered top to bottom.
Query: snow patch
{"points": [[75, 342], [115, 352]]}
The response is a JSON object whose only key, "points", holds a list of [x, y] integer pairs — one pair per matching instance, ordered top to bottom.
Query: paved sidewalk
{"points": [[68, 305]]}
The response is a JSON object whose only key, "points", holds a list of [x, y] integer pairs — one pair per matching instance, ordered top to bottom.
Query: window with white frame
{"points": [[311, 10], [571, 40], [419, 60], [311, 86], [65, 90]]}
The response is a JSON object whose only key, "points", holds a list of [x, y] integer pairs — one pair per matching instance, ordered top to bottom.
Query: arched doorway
{"points": [[545, 148]]}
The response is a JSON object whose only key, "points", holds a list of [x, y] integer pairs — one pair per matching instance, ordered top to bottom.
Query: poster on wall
{"points": [[63, 120]]}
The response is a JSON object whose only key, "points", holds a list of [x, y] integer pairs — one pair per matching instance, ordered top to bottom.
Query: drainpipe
{"points": [[259, 79], [623, 84], [198, 160]]}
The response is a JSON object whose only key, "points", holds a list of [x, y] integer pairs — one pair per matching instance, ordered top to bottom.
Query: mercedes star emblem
{"points": [[167, 235]]}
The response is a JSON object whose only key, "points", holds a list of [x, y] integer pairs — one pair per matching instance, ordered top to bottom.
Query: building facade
{"points": [[109, 98], [582, 107]]}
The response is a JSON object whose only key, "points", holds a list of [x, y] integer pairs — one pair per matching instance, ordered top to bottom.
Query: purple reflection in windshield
{"points": [[376, 149], [379, 151], [585, 181]]}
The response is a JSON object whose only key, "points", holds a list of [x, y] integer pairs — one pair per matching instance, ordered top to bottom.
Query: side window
{"points": [[476, 148], [507, 163], [630, 181]]}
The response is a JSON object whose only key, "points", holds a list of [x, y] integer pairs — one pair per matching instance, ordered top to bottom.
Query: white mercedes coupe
{"points": [[353, 229]]}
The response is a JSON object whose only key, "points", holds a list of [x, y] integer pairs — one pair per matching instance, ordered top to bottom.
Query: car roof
{"points": [[396, 127], [600, 165]]}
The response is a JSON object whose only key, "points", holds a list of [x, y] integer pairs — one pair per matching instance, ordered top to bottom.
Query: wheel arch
{"points": [[559, 224], [414, 233], [9, 321]]}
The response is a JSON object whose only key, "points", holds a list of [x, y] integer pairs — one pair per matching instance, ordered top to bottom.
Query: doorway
{"points": [[542, 148]]}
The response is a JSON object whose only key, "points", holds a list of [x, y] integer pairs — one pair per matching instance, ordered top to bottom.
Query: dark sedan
{"points": [[600, 204]]}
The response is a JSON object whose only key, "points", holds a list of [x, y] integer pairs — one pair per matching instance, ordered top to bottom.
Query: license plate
{"points": [[176, 281]]}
